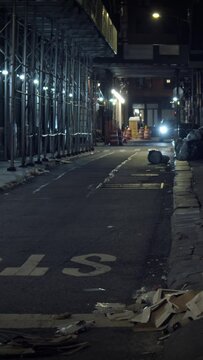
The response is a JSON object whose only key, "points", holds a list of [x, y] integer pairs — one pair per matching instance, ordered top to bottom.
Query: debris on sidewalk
{"points": [[191, 146], [107, 308], [161, 309], [75, 328], [64, 341]]}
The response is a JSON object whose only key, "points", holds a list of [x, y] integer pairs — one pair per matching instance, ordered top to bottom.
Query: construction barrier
{"points": [[133, 124], [141, 133], [146, 133], [128, 134]]}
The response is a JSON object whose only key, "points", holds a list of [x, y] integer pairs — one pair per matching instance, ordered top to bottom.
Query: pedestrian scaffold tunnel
{"points": [[46, 90]]}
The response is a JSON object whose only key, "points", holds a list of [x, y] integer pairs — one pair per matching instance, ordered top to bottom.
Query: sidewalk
{"points": [[10, 179], [186, 257]]}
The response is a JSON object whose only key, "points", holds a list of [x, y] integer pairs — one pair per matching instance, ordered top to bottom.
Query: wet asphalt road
{"points": [[94, 230]]}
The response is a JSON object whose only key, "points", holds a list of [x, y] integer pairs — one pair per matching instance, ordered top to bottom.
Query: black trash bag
{"points": [[194, 134], [178, 144], [183, 150], [195, 150], [155, 156], [165, 159]]}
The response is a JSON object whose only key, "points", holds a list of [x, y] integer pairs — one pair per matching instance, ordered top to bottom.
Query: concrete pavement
{"points": [[10, 179], [186, 256]]}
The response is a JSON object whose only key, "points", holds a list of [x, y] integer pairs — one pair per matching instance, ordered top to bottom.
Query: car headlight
{"points": [[163, 129]]}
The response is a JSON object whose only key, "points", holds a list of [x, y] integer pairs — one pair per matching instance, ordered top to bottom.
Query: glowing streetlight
{"points": [[156, 15], [4, 72], [21, 76], [36, 81], [118, 96]]}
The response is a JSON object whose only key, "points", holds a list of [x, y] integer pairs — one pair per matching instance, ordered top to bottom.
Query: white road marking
{"points": [[100, 157], [112, 173], [145, 175], [60, 176], [134, 186], [41, 187], [29, 268], [99, 268], [30, 321]]}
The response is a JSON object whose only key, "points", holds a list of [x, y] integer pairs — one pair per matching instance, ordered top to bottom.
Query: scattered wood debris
{"points": [[162, 309], [64, 341]]}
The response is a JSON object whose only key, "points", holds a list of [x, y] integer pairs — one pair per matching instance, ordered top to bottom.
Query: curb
{"points": [[18, 178], [185, 260]]}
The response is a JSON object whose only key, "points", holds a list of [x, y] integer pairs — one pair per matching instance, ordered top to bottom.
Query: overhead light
{"points": [[156, 15], [5, 72], [21, 76], [36, 81], [168, 81], [45, 88], [118, 96], [100, 99], [175, 99], [113, 101], [136, 111]]}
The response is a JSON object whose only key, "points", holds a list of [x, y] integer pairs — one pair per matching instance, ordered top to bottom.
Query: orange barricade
{"points": [[141, 133]]}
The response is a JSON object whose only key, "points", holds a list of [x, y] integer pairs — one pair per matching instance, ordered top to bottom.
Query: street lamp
{"points": [[156, 15], [183, 38], [118, 96]]}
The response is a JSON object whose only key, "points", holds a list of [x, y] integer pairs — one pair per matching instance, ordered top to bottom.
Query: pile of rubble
{"points": [[191, 147], [163, 309], [64, 341]]}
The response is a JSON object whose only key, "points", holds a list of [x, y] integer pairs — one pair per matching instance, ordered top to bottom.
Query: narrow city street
{"points": [[94, 230]]}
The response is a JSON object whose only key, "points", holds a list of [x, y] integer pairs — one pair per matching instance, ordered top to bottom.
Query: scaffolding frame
{"points": [[47, 81]]}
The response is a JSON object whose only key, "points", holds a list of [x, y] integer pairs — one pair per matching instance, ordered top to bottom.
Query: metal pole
{"points": [[12, 88], [55, 94], [24, 96], [65, 97], [60, 98], [6, 99], [32, 99], [178, 101], [78, 103], [69, 104], [72, 112], [46, 117], [39, 137]]}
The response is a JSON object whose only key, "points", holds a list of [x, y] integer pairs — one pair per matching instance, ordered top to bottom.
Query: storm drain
{"points": [[133, 186]]}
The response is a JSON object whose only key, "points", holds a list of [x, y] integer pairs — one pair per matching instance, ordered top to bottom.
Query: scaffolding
{"points": [[46, 79]]}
